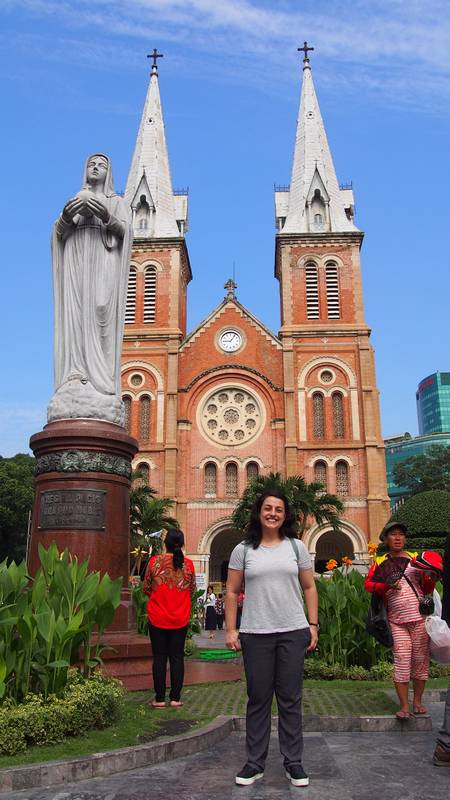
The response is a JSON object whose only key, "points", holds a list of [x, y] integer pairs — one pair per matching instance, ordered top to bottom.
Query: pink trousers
{"points": [[411, 651]]}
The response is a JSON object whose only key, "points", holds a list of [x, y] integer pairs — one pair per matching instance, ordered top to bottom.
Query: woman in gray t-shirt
{"points": [[275, 633]]}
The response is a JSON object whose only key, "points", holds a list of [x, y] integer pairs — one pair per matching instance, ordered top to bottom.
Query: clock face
{"points": [[230, 341]]}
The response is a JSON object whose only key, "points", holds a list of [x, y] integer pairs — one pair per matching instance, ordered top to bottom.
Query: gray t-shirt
{"points": [[273, 599]]}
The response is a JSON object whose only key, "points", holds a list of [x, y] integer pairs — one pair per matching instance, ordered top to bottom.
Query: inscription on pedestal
{"points": [[82, 509]]}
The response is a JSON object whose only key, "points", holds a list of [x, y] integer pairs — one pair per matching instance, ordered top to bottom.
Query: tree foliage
{"points": [[425, 472], [309, 500], [16, 501], [148, 512], [427, 517]]}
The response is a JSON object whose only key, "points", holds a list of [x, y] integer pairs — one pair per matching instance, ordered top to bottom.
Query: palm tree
{"points": [[310, 501], [148, 514]]}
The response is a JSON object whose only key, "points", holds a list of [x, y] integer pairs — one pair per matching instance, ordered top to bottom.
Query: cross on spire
{"points": [[305, 49], [155, 55], [230, 286]]}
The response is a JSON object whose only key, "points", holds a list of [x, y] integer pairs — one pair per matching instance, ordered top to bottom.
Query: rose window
{"points": [[231, 416]]}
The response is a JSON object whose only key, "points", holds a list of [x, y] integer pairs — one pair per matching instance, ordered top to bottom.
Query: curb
{"points": [[98, 765]]}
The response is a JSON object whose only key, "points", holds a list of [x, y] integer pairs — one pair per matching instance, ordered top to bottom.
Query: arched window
{"points": [[332, 284], [312, 291], [150, 294], [130, 307], [127, 406], [338, 415], [318, 416], [144, 418], [252, 470], [144, 473], [320, 473], [210, 478], [342, 478], [231, 479]]}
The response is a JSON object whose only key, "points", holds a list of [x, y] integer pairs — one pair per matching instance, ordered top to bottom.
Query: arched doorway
{"points": [[332, 544], [221, 547]]}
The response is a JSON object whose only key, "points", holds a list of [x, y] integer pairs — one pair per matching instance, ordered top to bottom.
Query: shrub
{"points": [[427, 517], [343, 607], [45, 620], [85, 704]]}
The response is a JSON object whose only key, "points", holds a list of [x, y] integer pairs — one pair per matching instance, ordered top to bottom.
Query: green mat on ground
{"points": [[216, 654]]}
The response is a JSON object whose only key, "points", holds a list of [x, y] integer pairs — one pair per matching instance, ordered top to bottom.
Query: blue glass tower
{"points": [[433, 404]]}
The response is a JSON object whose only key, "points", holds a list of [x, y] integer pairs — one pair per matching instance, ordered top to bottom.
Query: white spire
{"points": [[314, 202], [157, 212]]}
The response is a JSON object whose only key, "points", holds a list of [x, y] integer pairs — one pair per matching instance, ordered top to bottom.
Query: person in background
{"points": [[393, 536], [170, 585], [220, 611], [210, 616], [275, 632], [411, 641], [441, 756]]}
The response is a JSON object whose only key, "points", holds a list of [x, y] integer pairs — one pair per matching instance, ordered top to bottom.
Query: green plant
{"points": [[425, 472], [308, 500], [16, 501], [427, 517], [140, 601], [343, 606], [45, 620], [194, 624], [95, 702]]}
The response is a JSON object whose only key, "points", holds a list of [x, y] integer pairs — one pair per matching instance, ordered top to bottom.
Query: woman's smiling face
{"points": [[272, 514]]}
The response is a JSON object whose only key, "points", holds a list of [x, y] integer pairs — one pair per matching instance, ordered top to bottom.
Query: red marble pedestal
{"points": [[82, 499]]}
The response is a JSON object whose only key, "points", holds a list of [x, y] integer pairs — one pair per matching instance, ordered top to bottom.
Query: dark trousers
{"points": [[219, 621], [168, 643], [274, 663]]}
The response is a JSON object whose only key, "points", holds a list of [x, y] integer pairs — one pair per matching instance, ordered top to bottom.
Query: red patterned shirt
{"points": [[170, 591]]}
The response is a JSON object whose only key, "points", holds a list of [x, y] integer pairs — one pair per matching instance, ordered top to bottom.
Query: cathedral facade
{"points": [[214, 406]]}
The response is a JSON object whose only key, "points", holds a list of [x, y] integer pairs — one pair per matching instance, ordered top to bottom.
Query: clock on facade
{"points": [[230, 341]]}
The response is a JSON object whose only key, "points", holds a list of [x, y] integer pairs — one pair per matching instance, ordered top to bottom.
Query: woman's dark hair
{"points": [[289, 528], [173, 542], [210, 586]]}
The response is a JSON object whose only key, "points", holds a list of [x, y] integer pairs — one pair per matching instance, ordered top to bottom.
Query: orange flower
{"points": [[372, 548], [347, 562], [331, 564]]}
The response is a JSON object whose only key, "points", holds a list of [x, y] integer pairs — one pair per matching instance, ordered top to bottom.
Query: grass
{"points": [[203, 702]]}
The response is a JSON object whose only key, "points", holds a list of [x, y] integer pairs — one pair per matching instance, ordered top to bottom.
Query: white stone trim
{"points": [[352, 388], [145, 393], [159, 394], [143, 459], [215, 528], [354, 532]]}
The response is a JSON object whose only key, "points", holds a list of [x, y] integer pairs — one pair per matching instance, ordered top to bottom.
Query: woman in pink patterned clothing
{"points": [[411, 641]]}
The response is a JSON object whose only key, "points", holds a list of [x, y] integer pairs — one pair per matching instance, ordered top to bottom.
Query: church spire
{"points": [[314, 202], [158, 213]]}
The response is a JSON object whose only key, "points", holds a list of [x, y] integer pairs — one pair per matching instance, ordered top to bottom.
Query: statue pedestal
{"points": [[82, 499]]}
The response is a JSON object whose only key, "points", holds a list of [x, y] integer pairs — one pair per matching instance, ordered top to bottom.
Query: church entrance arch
{"points": [[333, 544], [221, 546]]}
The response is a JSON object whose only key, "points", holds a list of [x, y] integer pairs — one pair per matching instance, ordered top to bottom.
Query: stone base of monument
{"points": [[83, 477]]}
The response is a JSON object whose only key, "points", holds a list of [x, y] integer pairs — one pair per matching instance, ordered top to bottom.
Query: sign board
{"points": [[83, 509], [200, 578]]}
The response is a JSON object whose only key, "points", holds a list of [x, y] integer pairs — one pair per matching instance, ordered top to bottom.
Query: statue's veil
{"points": [[108, 189]]}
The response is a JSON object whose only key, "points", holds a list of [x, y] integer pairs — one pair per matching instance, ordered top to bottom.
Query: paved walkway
{"points": [[347, 766]]}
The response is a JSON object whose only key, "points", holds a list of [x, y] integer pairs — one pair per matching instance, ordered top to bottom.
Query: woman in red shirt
{"points": [[170, 585]]}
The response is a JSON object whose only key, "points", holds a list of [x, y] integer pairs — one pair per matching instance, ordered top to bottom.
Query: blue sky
{"points": [[74, 78]]}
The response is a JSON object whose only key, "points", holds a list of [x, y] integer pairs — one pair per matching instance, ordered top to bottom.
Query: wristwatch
{"points": [[314, 625]]}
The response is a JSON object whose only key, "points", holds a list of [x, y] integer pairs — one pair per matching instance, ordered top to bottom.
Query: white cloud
{"points": [[396, 49]]}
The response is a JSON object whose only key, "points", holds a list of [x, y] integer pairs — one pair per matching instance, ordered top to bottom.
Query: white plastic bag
{"points": [[437, 603], [439, 634]]}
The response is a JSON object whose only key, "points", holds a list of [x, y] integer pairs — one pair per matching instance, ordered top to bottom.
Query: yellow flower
{"points": [[331, 564]]}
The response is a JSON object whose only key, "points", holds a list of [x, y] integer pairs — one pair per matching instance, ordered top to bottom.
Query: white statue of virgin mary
{"points": [[91, 249]]}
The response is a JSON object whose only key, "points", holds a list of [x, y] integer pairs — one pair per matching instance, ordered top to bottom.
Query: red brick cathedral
{"points": [[214, 406]]}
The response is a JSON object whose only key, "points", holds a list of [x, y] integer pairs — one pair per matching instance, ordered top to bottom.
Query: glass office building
{"points": [[433, 404], [399, 448]]}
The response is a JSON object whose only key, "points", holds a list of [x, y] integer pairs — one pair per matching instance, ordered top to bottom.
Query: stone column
{"points": [[83, 474]]}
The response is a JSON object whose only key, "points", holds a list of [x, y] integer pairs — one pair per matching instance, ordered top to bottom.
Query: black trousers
{"points": [[168, 643], [274, 663]]}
